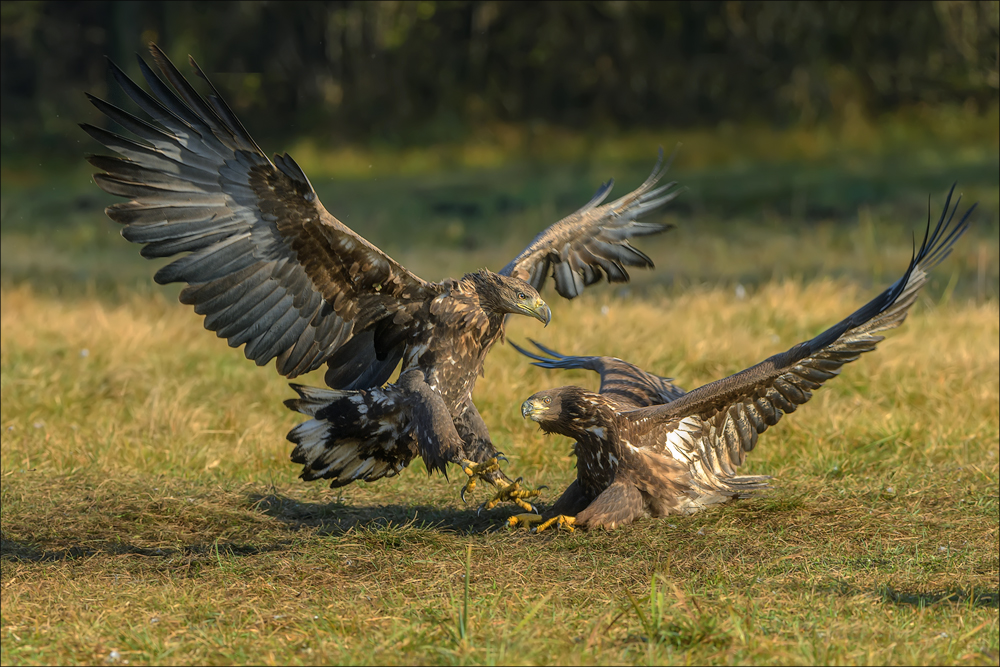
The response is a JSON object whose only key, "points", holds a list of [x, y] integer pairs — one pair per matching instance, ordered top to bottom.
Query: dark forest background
{"points": [[425, 72], [450, 133]]}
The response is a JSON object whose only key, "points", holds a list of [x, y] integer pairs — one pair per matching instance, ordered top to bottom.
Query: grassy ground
{"points": [[754, 200], [150, 514]]}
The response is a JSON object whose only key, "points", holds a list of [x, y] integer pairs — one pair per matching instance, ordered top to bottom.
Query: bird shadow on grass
{"points": [[330, 518], [337, 518], [209, 526], [16, 550], [977, 596]]}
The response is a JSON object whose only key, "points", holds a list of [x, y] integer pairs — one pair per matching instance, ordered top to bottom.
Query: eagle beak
{"points": [[540, 311], [530, 409]]}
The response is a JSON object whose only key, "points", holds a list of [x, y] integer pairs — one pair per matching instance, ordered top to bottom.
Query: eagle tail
{"points": [[313, 399], [351, 435], [747, 485], [703, 494]]}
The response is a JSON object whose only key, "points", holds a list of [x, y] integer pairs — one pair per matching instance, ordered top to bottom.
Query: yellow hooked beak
{"points": [[540, 311], [533, 409]]}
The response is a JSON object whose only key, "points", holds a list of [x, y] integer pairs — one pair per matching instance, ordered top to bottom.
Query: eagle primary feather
{"points": [[271, 269], [644, 447]]}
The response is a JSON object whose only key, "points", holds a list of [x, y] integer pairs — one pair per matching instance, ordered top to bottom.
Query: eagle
{"points": [[271, 269], [645, 447]]}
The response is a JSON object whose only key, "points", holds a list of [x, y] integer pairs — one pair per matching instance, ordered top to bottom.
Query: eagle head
{"points": [[509, 295], [562, 410]]}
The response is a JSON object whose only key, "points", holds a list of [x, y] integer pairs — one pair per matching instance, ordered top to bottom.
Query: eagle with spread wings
{"points": [[270, 268], [644, 447]]}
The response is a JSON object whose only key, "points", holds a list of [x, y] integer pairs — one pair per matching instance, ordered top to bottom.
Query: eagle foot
{"points": [[479, 470], [514, 493], [526, 521]]}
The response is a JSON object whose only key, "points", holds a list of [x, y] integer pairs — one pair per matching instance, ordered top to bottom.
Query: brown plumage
{"points": [[271, 269], [644, 447]]}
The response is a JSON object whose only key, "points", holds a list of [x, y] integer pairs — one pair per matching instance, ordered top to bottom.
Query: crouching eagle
{"points": [[269, 268], [646, 448]]}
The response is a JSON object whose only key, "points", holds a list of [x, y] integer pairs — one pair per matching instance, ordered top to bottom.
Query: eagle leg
{"points": [[478, 470], [514, 493], [561, 521]]}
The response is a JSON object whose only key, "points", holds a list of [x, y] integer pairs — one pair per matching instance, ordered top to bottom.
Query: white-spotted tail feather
{"points": [[352, 435]]}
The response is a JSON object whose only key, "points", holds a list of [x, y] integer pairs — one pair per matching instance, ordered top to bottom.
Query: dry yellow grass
{"points": [[115, 384], [150, 513]]}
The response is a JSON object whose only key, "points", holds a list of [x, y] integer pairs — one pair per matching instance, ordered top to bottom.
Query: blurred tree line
{"points": [[428, 71]]}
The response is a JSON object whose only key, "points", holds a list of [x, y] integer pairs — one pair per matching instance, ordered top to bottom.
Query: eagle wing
{"points": [[594, 241], [268, 266], [628, 385], [714, 426]]}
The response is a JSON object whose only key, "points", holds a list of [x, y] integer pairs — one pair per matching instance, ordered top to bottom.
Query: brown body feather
{"points": [[271, 269], [644, 448]]}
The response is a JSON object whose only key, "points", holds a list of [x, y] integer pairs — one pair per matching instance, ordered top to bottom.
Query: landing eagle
{"points": [[270, 268], [644, 447]]}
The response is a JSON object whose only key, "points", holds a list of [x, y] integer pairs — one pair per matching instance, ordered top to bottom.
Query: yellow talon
{"points": [[474, 470], [512, 492], [516, 494], [523, 520], [528, 520], [562, 522]]}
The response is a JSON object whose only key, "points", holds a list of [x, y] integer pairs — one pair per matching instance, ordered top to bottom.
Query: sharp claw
{"points": [[500, 457], [539, 488], [462, 495], [480, 510]]}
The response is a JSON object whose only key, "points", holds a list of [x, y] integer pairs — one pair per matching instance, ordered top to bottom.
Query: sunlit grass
{"points": [[939, 131], [758, 204], [149, 507], [150, 513]]}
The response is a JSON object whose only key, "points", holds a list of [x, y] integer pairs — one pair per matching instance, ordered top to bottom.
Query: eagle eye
{"points": [[522, 296], [547, 399]]}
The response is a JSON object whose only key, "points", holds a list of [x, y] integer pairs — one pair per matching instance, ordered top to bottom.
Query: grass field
{"points": [[150, 514]]}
